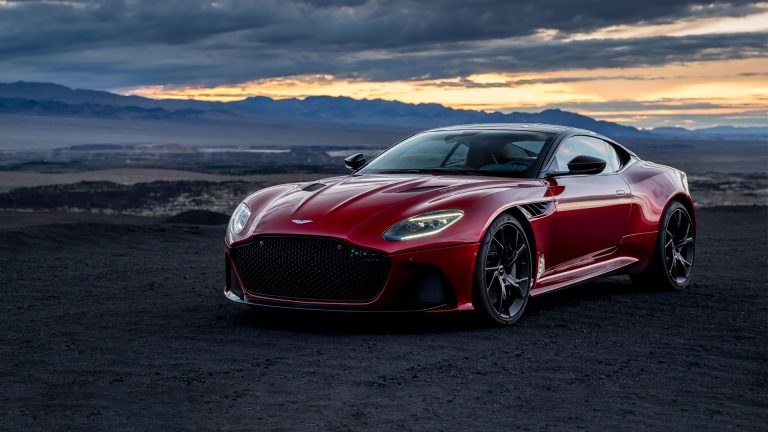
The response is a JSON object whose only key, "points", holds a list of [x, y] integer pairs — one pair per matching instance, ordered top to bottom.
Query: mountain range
{"points": [[47, 99]]}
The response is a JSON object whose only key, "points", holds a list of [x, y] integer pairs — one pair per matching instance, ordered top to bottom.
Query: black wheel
{"points": [[672, 262], [503, 272]]}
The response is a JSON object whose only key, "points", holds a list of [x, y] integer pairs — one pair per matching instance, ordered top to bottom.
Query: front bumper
{"points": [[433, 280]]}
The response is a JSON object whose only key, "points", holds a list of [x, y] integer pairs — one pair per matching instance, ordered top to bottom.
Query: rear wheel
{"points": [[672, 262], [503, 272]]}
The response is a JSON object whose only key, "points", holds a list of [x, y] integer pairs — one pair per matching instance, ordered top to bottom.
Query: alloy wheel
{"points": [[679, 246], [507, 268]]}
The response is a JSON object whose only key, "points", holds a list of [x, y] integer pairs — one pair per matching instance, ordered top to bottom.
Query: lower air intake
{"points": [[310, 268]]}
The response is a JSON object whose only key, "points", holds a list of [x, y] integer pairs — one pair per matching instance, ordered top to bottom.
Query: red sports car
{"points": [[474, 217]]}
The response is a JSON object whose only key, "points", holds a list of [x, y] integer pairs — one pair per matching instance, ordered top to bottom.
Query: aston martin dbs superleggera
{"points": [[473, 217]]}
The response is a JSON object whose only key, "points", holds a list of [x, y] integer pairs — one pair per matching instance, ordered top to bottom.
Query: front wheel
{"points": [[672, 262], [503, 272]]}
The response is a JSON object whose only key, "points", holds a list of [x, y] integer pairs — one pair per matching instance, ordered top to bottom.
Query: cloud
{"points": [[115, 43]]}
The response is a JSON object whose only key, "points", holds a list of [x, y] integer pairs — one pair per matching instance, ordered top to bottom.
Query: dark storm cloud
{"points": [[115, 43], [588, 54]]}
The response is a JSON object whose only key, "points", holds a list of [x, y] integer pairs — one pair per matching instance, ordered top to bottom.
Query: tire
{"points": [[671, 265], [502, 279]]}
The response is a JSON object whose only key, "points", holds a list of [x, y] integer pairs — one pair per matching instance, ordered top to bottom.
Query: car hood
{"points": [[359, 208]]}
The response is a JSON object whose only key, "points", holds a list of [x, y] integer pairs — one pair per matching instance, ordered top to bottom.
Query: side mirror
{"points": [[355, 161], [586, 165]]}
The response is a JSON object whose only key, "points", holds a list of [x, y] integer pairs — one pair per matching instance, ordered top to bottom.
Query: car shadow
{"points": [[601, 290], [545, 307], [336, 323]]}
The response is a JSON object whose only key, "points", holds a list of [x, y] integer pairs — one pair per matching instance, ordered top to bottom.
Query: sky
{"points": [[645, 63]]}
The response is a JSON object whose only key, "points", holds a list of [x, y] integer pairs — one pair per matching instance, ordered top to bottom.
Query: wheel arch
{"points": [[683, 199], [687, 202], [518, 214], [650, 270], [480, 300]]}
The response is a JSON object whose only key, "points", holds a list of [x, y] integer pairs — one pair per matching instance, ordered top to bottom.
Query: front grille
{"points": [[310, 268]]}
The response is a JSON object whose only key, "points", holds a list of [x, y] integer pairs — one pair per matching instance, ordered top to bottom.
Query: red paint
{"points": [[599, 223]]}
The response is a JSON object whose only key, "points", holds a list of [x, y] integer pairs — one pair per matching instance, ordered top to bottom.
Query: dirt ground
{"points": [[10, 180], [123, 327]]}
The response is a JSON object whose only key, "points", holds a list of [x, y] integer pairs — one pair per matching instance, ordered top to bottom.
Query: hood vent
{"points": [[313, 187], [422, 189], [534, 210]]}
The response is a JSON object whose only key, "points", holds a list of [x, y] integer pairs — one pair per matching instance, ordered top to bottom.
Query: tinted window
{"points": [[585, 146], [429, 153], [502, 153], [458, 156]]}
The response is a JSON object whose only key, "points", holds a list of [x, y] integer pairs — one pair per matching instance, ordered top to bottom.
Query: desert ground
{"points": [[113, 318], [120, 324]]}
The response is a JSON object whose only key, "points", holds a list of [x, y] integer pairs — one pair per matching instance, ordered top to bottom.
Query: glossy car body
{"points": [[581, 227]]}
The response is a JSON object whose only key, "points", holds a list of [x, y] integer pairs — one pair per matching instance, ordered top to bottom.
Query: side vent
{"points": [[313, 187], [537, 209]]}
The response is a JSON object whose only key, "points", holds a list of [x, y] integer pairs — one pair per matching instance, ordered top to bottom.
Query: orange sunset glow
{"points": [[721, 87], [675, 93]]}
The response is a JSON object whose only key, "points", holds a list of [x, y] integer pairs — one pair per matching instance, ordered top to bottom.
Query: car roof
{"points": [[534, 127], [559, 130]]}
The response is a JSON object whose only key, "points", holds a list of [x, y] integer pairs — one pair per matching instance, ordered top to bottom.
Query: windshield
{"points": [[498, 153]]}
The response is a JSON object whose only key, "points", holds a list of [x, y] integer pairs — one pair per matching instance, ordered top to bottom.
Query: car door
{"points": [[592, 210]]}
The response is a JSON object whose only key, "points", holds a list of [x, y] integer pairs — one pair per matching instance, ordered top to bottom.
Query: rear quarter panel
{"points": [[652, 186]]}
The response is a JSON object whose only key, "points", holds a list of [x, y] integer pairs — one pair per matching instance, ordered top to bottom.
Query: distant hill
{"points": [[60, 93], [53, 99], [88, 109], [339, 110], [377, 111], [733, 131], [717, 132]]}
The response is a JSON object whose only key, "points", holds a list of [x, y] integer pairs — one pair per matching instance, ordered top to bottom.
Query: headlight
{"points": [[239, 218], [425, 224]]}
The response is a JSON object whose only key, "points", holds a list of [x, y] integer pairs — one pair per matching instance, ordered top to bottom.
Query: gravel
{"points": [[122, 326]]}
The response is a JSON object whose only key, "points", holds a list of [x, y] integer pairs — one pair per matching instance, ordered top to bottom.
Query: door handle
{"points": [[621, 192]]}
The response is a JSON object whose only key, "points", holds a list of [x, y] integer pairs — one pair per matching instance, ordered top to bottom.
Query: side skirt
{"points": [[580, 275]]}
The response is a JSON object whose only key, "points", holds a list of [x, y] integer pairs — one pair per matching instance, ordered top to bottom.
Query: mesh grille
{"points": [[310, 268]]}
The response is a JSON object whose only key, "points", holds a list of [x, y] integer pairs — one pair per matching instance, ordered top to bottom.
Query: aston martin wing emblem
{"points": [[301, 221]]}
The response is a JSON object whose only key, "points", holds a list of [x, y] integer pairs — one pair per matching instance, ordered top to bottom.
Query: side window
{"points": [[586, 146], [617, 164]]}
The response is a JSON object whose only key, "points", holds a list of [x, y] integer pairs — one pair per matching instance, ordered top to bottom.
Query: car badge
{"points": [[301, 221]]}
